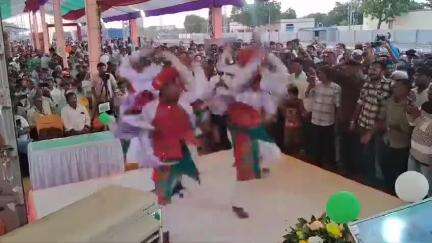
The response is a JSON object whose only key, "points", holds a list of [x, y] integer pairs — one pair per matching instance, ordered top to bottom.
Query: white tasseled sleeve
{"points": [[279, 65], [226, 68], [185, 72], [243, 76], [140, 81], [275, 82], [258, 100], [269, 103], [188, 108], [145, 119], [141, 147]]}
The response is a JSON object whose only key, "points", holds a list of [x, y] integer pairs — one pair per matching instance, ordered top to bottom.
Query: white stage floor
{"points": [[294, 189]]}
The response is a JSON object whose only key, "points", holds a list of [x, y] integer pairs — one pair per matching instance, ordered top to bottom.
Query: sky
{"points": [[302, 7]]}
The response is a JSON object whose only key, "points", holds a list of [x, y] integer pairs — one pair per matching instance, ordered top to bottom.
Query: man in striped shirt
{"points": [[373, 93], [326, 100], [420, 158]]}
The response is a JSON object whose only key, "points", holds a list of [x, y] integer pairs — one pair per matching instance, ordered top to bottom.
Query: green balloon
{"points": [[105, 119], [343, 207]]}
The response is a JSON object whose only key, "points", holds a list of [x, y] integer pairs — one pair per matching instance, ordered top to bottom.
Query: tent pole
{"points": [[216, 15], [133, 25], [36, 31], [79, 33], [94, 36], [33, 40], [60, 40], [46, 43]]}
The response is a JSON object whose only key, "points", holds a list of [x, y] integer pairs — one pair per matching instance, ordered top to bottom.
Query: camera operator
{"points": [[382, 44], [104, 91]]}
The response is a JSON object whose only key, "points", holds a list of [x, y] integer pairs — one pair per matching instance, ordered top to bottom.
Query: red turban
{"points": [[247, 55], [166, 76]]}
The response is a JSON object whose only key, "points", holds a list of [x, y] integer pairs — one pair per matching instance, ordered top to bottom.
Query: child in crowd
{"points": [[294, 113]]}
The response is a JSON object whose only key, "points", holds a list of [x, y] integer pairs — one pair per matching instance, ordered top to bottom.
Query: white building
{"points": [[413, 20], [293, 25], [282, 26], [164, 27], [236, 27], [347, 27]]}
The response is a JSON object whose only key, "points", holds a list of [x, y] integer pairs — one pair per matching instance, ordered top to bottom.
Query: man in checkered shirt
{"points": [[369, 104]]}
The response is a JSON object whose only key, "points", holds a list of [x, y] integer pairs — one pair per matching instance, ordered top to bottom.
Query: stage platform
{"points": [[293, 189]]}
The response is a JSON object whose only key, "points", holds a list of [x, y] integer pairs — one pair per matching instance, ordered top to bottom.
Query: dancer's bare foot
{"points": [[240, 212], [165, 237]]}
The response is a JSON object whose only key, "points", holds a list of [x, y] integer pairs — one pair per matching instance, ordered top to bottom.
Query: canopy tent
{"points": [[200, 4], [10, 8], [75, 9], [114, 10]]}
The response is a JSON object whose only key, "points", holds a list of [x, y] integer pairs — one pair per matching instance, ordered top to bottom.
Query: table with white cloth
{"points": [[62, 161]]}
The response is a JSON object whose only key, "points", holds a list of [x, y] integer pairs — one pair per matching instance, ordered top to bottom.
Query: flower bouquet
{"points": [[317, 230]]}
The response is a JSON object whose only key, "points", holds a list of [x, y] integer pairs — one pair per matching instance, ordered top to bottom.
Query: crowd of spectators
{"points": [[365, 112]]}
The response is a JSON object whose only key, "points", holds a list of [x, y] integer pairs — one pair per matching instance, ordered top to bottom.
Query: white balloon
{"points": [[412, 186]]}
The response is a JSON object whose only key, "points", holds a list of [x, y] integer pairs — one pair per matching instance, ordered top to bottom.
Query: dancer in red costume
{"points": [[246, 121], [166, 129]]}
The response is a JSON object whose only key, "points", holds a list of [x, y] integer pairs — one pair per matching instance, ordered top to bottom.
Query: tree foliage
{"points": [[417, 6], [386, 10], [257, 14], [289, 14], [339, 14], [320, 18], [195, 24]]}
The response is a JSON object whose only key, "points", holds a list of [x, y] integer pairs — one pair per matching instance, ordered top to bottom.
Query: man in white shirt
{"points": [[105, 58], [45, 60], [15, 65], [300, 81], [57, 94], [40, 108], [75, 116], [23, 132], [23, 139]]}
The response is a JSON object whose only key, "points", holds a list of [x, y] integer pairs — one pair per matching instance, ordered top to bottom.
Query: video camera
{"points": [[380, 39], [105, 77]]}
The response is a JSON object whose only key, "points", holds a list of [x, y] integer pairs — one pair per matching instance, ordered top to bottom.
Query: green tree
{"points": [[428, 4], [417, 6], [385, 10], [258, 13], [289, 14], [339, 14], [320, 18], [195, 24]]}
